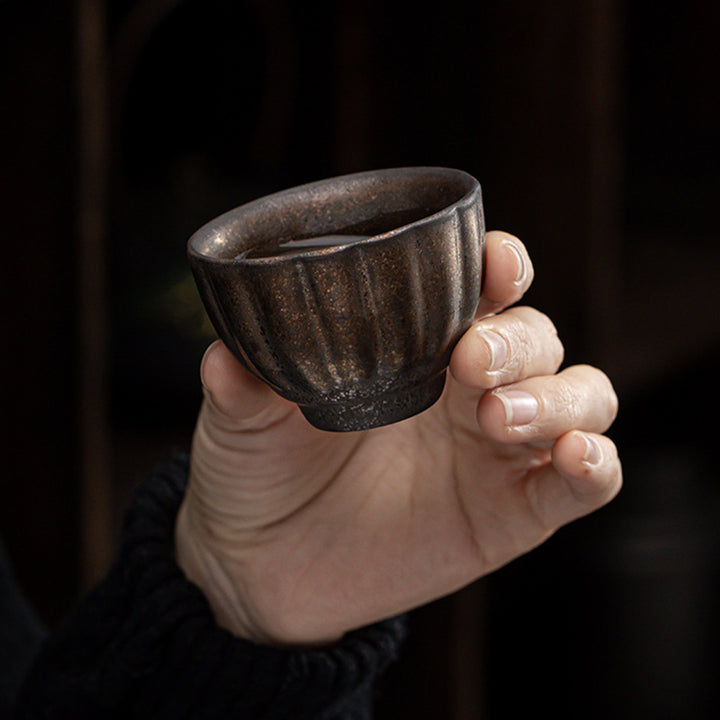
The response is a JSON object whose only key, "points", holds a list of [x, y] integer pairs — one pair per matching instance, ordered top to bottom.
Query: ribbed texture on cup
{"points": [[357, 322]]}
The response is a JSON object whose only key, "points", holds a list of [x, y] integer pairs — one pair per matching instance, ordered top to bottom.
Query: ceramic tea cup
{"points": [[347, 295]]}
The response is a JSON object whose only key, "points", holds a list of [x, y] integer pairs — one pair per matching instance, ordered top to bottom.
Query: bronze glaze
{"points": [[347, 295]]}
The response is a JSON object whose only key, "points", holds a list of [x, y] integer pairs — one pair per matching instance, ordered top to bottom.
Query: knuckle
{"points": [[535, 319], [537, 337], [521, 347], [593, 385], [566, 400]]}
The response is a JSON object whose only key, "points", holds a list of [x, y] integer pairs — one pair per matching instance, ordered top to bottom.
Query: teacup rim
{"points": [[213, 227]]}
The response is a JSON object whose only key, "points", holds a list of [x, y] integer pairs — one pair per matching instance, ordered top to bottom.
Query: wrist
{"points": [[203, 568], [237, 602]]}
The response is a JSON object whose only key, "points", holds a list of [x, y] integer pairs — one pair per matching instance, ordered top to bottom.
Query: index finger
{"points": [[508, 273]]}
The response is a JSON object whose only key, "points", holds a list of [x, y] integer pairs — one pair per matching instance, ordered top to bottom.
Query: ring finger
{"points": [[544, 408]]}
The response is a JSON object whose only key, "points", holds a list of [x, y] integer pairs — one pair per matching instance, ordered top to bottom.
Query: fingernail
{"points": [[521, 272], [497, 347], [520, 407], [593, 454]]}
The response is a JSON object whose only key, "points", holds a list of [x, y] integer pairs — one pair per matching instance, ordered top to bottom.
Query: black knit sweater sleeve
{"points": [[144, 644]]}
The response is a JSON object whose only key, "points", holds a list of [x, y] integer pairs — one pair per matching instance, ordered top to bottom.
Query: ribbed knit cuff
{"points": [[145, 644], [260, 681]]}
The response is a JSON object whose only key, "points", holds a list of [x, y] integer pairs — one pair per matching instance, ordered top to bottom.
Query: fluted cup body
{"points": [[358, 333]]}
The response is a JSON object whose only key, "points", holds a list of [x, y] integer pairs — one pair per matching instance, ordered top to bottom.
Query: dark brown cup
{"points": [[358, 334]]}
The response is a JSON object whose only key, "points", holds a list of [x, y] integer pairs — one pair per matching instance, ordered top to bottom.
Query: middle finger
{"points": [[516, 344]]}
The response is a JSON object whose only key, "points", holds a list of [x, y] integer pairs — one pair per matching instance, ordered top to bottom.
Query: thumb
{"points": [[236, 398]]}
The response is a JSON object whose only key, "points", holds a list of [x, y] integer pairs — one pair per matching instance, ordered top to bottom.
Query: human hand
{"points": [[297, 535]]}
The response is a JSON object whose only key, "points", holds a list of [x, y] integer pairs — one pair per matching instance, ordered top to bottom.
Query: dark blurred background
{"points": [[593, 127]]}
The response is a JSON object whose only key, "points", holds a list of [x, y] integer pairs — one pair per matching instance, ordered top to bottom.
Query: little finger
{"points": [[585, 474]]}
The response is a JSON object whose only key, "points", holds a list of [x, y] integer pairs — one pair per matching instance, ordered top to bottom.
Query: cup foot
{"points": [[378, 411]]}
